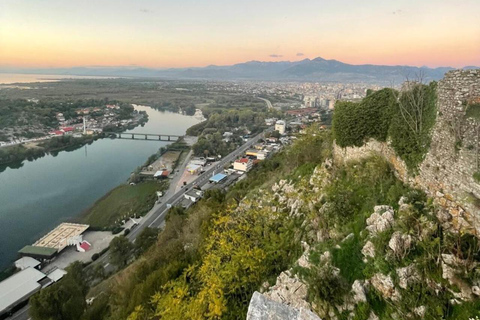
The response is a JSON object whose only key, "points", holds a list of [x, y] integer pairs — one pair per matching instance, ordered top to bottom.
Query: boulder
{"points": [[381, 219], [400, 243], [368, 250], [407, 275], [385, 286], [289, 290], [358, 291], [263, 308]]}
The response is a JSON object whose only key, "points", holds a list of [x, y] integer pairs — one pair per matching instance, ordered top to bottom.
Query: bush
{"points": [[407, 120], [476, 176], [95, 256]]}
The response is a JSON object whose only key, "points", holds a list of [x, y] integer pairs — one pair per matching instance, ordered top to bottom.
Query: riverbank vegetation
{"points": [[121, 203]]}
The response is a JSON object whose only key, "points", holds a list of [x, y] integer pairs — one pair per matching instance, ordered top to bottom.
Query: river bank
{"points": [[14, 156], [57, 188]]}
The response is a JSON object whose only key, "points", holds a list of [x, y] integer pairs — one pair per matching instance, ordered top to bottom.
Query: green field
{"points": [[122, 202]]}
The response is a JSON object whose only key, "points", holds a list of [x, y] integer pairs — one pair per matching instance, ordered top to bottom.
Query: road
{"points": [[269, 104], [156, 216]]}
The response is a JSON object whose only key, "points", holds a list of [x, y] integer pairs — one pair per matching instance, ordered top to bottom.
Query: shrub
{"points": [[476, 176], [95, 256]]}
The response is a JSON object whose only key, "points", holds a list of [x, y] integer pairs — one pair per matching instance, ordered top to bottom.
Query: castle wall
{"points": [[446, 174]]}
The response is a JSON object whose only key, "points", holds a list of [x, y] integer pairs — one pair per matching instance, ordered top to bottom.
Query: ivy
{"points": [[406, 118]]}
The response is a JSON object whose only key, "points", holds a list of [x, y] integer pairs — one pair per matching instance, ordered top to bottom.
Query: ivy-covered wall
{"points": [[448, 171]]}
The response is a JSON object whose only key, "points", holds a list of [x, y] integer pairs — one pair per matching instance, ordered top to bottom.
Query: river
{"points": [[43, 193]]}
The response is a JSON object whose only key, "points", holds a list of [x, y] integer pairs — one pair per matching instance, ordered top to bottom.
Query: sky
{"points": [[189, 33]]}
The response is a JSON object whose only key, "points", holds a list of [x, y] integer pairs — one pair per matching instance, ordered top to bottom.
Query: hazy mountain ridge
{"points": [[317, 69]]}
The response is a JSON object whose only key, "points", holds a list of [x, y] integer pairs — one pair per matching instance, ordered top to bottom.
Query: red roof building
{"points": [[83, 246]]}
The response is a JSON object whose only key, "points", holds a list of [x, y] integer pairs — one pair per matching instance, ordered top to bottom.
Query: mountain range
{"points": [[317, 69]]}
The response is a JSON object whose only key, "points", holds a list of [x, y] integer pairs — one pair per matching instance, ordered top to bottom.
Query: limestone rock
{"points": [[380, 220], [400, 243], [368, 250], [407, 275], [385, 286], [289, 290], [476, 290], [358, 291], [262, 308], [420, 311], [372, 316]]}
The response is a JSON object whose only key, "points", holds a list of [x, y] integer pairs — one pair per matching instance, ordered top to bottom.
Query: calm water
{"points": [[9, 78], [43, 193]]}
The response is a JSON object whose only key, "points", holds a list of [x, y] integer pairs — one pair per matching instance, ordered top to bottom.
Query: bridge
{"points": [[143, 136]]}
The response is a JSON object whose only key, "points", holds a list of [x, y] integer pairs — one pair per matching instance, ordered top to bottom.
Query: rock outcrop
{"points": [[263, 308]]}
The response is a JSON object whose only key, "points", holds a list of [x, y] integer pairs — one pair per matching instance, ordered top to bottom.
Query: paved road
{"points": [[156, 216]]}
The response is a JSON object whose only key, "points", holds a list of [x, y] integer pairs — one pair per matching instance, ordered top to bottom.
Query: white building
{"points": [[280, 126], [243, 164], [193, 195]]}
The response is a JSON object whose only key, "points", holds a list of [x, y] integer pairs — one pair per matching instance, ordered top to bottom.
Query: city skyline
{"points": [[166, 34]]}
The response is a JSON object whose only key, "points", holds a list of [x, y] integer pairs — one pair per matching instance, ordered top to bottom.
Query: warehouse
{"points": [[19, 287]]}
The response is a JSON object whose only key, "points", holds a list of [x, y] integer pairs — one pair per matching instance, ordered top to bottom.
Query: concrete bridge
{"points": [[143, 136]]}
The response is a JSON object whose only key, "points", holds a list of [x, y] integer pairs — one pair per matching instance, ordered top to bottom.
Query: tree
{"points": [[145, 240], [120, 251], [64, 300]]}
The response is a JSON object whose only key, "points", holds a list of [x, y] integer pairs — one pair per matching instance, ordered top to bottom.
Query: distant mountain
{"points": [[318, 69]]}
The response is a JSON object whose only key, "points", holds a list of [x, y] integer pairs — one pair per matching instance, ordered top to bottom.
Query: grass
{"points": [[121, 202]]}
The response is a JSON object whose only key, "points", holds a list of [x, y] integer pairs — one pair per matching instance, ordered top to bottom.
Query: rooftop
{"points": [[218, 177], [57, 238], [38, 251], [26, 262], [56, 274], [19, 287]]}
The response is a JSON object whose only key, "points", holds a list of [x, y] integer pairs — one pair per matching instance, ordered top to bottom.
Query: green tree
{"points": [[145, 240], [120, 251], [64, 300]]}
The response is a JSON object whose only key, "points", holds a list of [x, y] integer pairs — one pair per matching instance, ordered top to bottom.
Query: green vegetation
{"points": [[473, 111], [240, 115], [406, 118], [476, 176], [121, 203], [120, 251], [64, 300]]}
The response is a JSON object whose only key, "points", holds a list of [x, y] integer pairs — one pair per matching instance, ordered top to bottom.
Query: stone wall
{"points": [[446, 174]]}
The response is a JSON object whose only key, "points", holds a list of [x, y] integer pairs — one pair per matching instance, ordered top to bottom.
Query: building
{"points": [[280, 126], [259, 154], [243, 164], [194, 168], [161, 174], [219, 177], [193, 195], [66, 234], [83, 246], [40, 253], [27, 262], [20, 287]]}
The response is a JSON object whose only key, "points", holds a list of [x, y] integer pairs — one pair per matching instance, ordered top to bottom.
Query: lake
{"points": [[10, 78], [43, 193]]}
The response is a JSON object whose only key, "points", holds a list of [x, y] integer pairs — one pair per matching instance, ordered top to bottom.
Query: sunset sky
{"points": [[181, 33]]}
